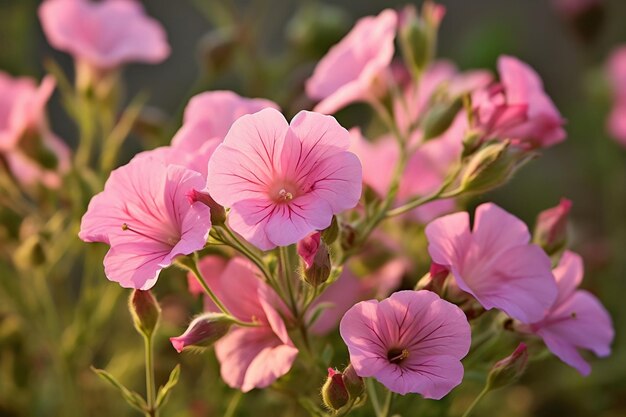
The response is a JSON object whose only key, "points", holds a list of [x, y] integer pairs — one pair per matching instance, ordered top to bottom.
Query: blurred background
{"points": [[267, 48]]}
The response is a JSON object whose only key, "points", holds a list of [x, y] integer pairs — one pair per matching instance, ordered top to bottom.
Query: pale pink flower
{"points": [[103, 35], [352, 68], [616, 72], [518, 108], [208, 117], [26, 141], [280, 181], [145, 216], [494, 262], [209, 266], [577, 320], [412, 342], [252, 357]]}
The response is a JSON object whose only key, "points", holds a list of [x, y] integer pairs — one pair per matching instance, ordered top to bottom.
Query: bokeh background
{"points": [[267, 48]]}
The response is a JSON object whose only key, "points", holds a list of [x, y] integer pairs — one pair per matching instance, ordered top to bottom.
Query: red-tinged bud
{"points": [[418, 34], [218, 214], [551, 227], [314, 253], [435, 279], [145, 310], [203, 331], [509, 369], [353, 383], [334, 392]]}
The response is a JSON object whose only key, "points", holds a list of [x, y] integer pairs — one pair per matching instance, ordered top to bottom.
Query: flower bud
{"points": [[585, 17], [317, 26], [418, 34], [216, 49], [439, 118], [491, 166], [218, 214], [551, 227], [331, 233], [314, 253], [145, 310], [203, 331], [509, 369], [353, 383], [334, 392]]}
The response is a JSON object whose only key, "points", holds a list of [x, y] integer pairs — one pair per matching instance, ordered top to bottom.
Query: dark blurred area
{"points": [[278, 43]]}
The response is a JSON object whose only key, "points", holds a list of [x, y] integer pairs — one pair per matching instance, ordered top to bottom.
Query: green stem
{"points": [[243, 248], [285, 267], [150, 383], [373, 395], [476, 401], [233, 404], [387, 406]]}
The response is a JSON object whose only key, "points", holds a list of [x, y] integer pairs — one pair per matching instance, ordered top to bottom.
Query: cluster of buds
{"points": [[342, 389]]}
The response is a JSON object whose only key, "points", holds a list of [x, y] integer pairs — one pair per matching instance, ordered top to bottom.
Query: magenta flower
{"points": [[352, 68], [616, 72], [518, 108], [31, 151], [284, 181], [145, 216], [494, 262], [577, 320], [412, 341], [251, 357]]}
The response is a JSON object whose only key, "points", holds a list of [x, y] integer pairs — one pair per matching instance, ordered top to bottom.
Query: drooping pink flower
{"points": [[104, 34], [350, 70], [616, 72], [518, 108], [208, 117], [31, 151], [284, 181], [145, 216], [494, 261], [577, 320], [412, 342], [251, 357]]}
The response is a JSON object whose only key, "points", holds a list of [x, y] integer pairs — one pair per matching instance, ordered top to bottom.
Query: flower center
{"points": [[283, 192], [285, 195], [397, 355]]}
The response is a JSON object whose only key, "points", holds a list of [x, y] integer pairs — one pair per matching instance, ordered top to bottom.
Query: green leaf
{"points": [[164, 391], [131, 397]]}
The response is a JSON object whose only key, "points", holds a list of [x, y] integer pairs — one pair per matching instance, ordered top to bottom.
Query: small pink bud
{"points": [[218, 214], [551, 227], [316, 258], [145, 310], [203, 331], [509, 369], [353, 383], [334, 392]]}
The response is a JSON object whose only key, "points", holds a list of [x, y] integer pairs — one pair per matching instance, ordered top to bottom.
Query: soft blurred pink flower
{"points": [[103, 35], [350, 70], [616, 72], [518, 108], [24, 132], [284, 181], [145, 216], [494, 262], [210, 266], [577, 320], [412, 341], [251, 357]]}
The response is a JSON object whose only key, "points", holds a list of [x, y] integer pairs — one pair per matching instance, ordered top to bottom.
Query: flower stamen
{"points": [[397, 355]]}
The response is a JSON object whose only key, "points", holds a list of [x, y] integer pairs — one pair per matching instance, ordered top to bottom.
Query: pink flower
{"points": [[104, 34], [350, 70], [616, 71], [518, 108], [208, 117], [31, 151], [284, 181], [145, 216], [551, 227], [494, 262], [209, 266], [577, 320], [412, 341], [252, 357]]}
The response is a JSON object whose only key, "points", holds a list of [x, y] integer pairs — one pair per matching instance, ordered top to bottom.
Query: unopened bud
{"points": [[316, 26], [413, 39], [216, 49], [440, 117], [491, 166], [218, 214], [551, 227], [331, 233], [30, 253], [316, 258], [145, 310], [203, 331], [509, 369], [353, 383], [334, 392]]}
